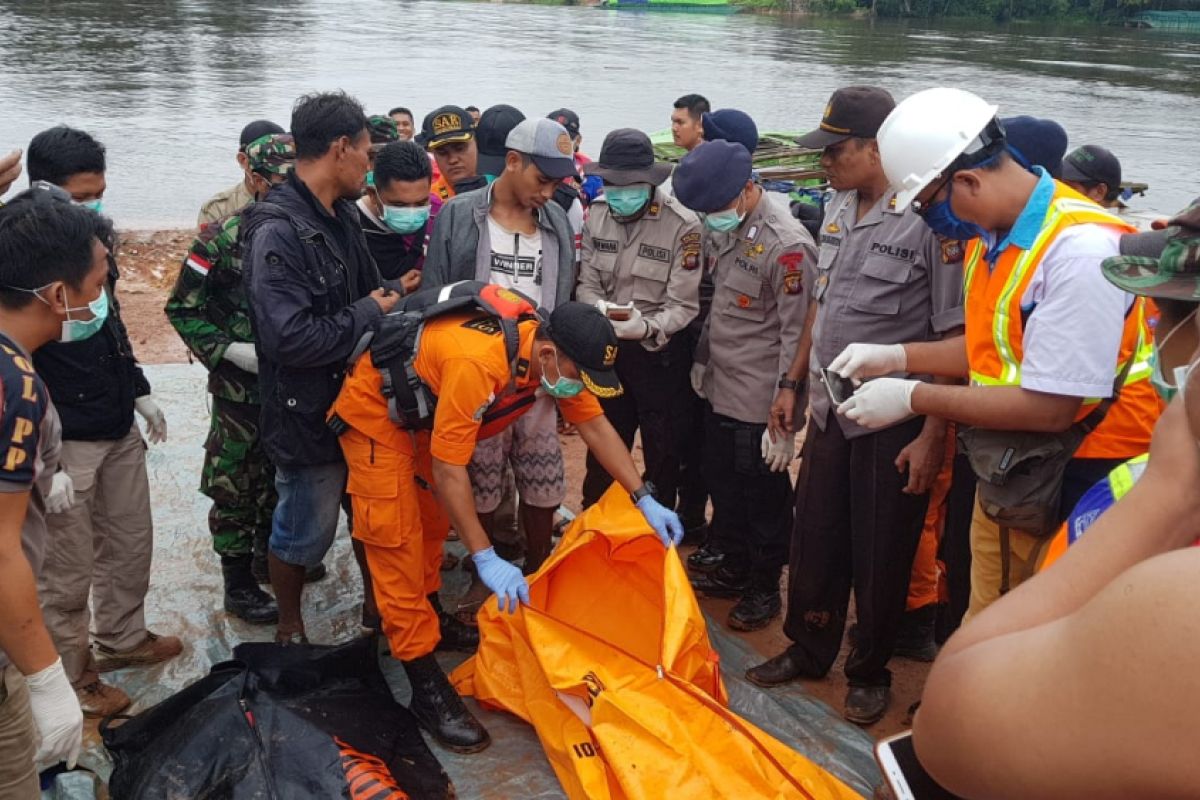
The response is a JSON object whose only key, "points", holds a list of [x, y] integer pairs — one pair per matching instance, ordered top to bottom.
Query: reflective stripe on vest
{"points": [[1005, 327]]}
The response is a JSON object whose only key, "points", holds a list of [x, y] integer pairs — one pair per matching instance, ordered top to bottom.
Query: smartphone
{"points": [[620, 313], [839, 388], [904, 774]]}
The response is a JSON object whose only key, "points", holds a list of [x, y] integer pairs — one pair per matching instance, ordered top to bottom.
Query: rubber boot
{"points": [[243, 598], [457, 637], [440, 710]]}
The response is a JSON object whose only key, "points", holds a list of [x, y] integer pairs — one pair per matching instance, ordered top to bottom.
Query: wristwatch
{"points": [[787, 383], [645, 490]]}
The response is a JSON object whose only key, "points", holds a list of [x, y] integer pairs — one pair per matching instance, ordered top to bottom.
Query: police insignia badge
{"points": [[952, 251], [791, 260], [792, 283], [822, 286], [743, 301]]}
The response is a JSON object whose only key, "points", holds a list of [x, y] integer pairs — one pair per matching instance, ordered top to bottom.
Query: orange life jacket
{"points": [[995, 329]]}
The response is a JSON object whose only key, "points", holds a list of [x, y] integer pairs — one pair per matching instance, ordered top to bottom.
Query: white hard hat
{"points": [[925, 133]]}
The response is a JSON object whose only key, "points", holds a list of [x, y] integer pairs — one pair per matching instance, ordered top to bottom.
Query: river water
{"points": [[167, 84]]}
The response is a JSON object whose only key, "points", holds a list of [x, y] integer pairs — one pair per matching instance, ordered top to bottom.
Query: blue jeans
{"points": [[306, 516]]}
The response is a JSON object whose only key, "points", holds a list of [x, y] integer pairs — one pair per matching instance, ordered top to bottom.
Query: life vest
{"points": [[995, 328], [394, 339]]}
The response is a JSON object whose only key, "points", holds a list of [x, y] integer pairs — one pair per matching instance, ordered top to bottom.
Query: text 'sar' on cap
{"points": [[852, 112], [585, 336]]}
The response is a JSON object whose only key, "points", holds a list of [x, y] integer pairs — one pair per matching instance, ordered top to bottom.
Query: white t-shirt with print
{"points": [[516, 260]]}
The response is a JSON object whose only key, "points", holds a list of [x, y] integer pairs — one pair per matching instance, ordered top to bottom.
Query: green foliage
{"points": [[1002, 10]]}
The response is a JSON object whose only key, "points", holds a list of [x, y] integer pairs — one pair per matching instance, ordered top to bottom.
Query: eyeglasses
{"points": [[921, 207]]}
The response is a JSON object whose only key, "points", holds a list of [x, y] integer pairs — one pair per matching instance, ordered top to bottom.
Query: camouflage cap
{"points": [[382, 129], [273, 154], [1175, 274]]}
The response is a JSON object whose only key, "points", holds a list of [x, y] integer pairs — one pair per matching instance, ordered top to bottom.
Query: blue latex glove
{"points": [[664, 521], [502, 578]]}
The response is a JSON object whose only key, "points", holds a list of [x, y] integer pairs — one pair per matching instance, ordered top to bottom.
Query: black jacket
{"points": [[308, 274], [94, 382]]}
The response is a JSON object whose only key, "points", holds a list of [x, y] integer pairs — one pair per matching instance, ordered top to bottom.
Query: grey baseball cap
{"points": [[547, 144]]}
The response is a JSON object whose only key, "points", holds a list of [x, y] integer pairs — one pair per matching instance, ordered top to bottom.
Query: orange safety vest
{"points": [[995, 327]]}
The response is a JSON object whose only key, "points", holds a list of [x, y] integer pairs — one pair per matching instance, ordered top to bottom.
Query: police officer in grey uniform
{"points": [[641, 267], [749, 341], [861, 496]]}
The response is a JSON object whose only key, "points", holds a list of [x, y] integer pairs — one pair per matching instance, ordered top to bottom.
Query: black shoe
{"points": [[706, 558], [262, 573], [722, 582], [243, 598], [755, 610], [371, 622], [457, 636], [914, 639], [783, 668], [866, 705], [440, 710]]}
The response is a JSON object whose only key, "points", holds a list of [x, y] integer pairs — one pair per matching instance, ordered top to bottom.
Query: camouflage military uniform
{"points": [[210, 310]]}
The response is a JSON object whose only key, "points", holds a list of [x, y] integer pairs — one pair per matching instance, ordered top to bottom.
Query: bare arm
{"points": [[947, 357], [1002, 408], [606, 445], [23, 635]]}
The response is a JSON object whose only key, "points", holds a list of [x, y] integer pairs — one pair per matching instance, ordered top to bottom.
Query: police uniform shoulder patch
{"points": [[689, 244], [952, 250], [791, 260], [793, 283], [488, 324]]}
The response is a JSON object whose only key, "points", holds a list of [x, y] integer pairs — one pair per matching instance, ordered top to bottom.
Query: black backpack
{"points": [[393, 341]]}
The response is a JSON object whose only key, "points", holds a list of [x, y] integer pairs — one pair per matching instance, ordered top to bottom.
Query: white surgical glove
{"points": [[603, 306], [633, 328], [242, 356], [859, 361], [697, 378], [879, 403], [156, 423], [778, 454], [62, 493], [57, 718]]}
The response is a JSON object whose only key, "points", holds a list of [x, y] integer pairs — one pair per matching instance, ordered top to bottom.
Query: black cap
{"points": [[852, 111], [567, 118], [444, 125], [256, 130], [490, 135], [627, 157], [1092, 164], [711, 176], [585, 336]]}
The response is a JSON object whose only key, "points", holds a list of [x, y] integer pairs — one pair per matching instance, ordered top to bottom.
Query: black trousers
{"points": [[654, 384], [693, 488], [752, 506], [854, 528]]}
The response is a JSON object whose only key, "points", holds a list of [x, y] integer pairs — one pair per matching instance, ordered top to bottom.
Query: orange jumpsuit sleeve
{"points": [[467, 389], [580, 408]]}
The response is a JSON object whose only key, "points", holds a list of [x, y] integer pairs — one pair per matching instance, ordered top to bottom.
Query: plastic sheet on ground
{"points": [[185, 600]]}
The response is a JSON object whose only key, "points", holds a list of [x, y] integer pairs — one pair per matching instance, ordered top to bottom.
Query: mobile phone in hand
{"points": [[620, 313], [840, 389], [904, 774]]}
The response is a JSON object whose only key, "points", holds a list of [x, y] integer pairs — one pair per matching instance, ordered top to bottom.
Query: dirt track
{"points": [[150, 261]]}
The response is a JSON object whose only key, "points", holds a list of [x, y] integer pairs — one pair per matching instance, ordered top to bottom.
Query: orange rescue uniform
{"points": [[397, 515]]}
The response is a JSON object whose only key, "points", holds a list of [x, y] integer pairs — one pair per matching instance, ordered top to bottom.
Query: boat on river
{"points": [[701, 6]]}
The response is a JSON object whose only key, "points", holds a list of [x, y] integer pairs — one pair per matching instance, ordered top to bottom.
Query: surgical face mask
{"points": [[371, 179], [625, 201], [91, 205], [404, 219], [727, 220], [942, 220], [75, 330], [563, 387], [1167, 390]]}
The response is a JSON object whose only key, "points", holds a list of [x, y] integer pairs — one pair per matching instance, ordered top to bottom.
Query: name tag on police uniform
{"points": [[654, 253]]}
